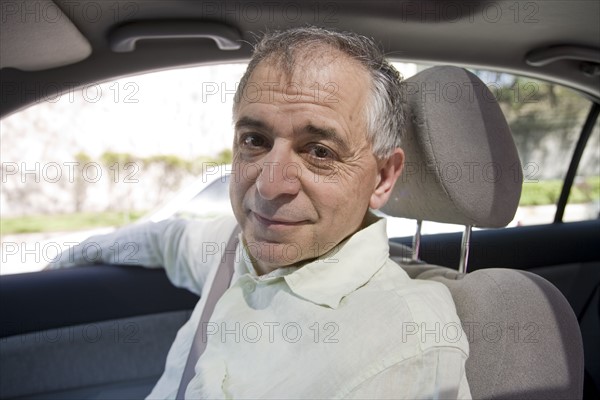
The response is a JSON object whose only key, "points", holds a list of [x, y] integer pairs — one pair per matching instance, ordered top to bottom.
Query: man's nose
{"points": [[280, 174]]}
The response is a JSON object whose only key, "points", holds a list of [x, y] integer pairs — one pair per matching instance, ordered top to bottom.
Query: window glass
{"points": [[546, 120], [154, 146], [105, 155], [584, 198]]}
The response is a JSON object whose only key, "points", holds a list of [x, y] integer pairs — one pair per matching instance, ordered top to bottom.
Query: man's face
{"points": [[304, 171]]}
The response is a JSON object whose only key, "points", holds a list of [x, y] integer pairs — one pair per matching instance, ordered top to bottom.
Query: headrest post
{"points": [[417, 241], [464, 250]]}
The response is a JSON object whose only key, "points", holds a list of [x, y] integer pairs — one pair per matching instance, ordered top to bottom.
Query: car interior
{"points": [[528, 296]]}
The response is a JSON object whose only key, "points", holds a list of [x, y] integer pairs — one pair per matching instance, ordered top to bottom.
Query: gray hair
{"points": [[385, 117]]}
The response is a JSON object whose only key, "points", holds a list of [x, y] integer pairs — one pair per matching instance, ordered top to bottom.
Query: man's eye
{"points": [[253, 141], [321, 152]]}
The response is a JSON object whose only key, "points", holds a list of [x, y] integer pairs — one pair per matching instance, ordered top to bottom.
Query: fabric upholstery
{"points": [[461, 164], [462, 167], [524, 338], [527, 340], [89, 358]]}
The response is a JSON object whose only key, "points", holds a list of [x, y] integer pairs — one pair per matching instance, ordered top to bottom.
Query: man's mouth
{"points": [[277, 221]]}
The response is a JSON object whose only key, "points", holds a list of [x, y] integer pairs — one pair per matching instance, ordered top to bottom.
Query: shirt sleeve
{"points": [[144, 244], [186, 249], [438, 373]]}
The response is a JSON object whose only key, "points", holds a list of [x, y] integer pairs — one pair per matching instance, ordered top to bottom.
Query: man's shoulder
{"points": [[428, 300], [424, 309]]}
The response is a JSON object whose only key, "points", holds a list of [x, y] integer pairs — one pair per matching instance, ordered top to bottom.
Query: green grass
{"points": [[547, 192], [66, 222]]}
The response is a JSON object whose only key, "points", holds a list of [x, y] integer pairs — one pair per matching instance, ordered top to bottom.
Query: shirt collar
{"points": [[351, 264]]}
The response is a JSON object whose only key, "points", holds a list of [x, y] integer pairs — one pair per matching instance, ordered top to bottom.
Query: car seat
{"points": [[462, 167]]}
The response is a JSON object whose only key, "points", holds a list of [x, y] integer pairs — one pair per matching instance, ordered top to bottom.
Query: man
{"points": [[316, 309]]}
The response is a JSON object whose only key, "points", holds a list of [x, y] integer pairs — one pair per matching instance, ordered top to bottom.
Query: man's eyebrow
{"points": [[247, 122], [321, 133], [327, 134]]}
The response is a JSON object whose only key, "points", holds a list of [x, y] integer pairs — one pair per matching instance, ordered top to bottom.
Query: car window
{"points": [[546, 121], [157, 145], [106, 155], [584, 197]]}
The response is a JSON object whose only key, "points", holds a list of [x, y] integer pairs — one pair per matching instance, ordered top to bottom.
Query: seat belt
{"points": [[219, 286]]}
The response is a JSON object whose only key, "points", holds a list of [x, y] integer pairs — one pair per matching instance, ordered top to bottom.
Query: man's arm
{"points": [[143, 244], [180, 246]]}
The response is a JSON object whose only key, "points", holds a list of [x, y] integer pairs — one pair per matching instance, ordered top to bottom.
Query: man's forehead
{"points": [[309, 67], [331, 79], [327, 92]]}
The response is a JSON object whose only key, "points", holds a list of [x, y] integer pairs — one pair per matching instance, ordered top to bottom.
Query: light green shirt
{"points": [[350, 324]]}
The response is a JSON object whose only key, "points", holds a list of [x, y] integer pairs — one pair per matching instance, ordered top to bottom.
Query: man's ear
{"points": [[389, 171]]}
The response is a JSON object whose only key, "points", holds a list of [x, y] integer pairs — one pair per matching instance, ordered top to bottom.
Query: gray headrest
{"points": [[461, 164]]}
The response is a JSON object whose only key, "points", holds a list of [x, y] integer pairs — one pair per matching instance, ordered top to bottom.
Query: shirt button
{"points": [[249, 286]]}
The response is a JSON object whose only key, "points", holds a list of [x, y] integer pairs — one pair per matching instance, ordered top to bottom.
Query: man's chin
{"points": [[268, 256]]}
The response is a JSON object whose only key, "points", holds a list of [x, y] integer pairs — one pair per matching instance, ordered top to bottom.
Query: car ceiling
{"points": [[68, 43]]}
